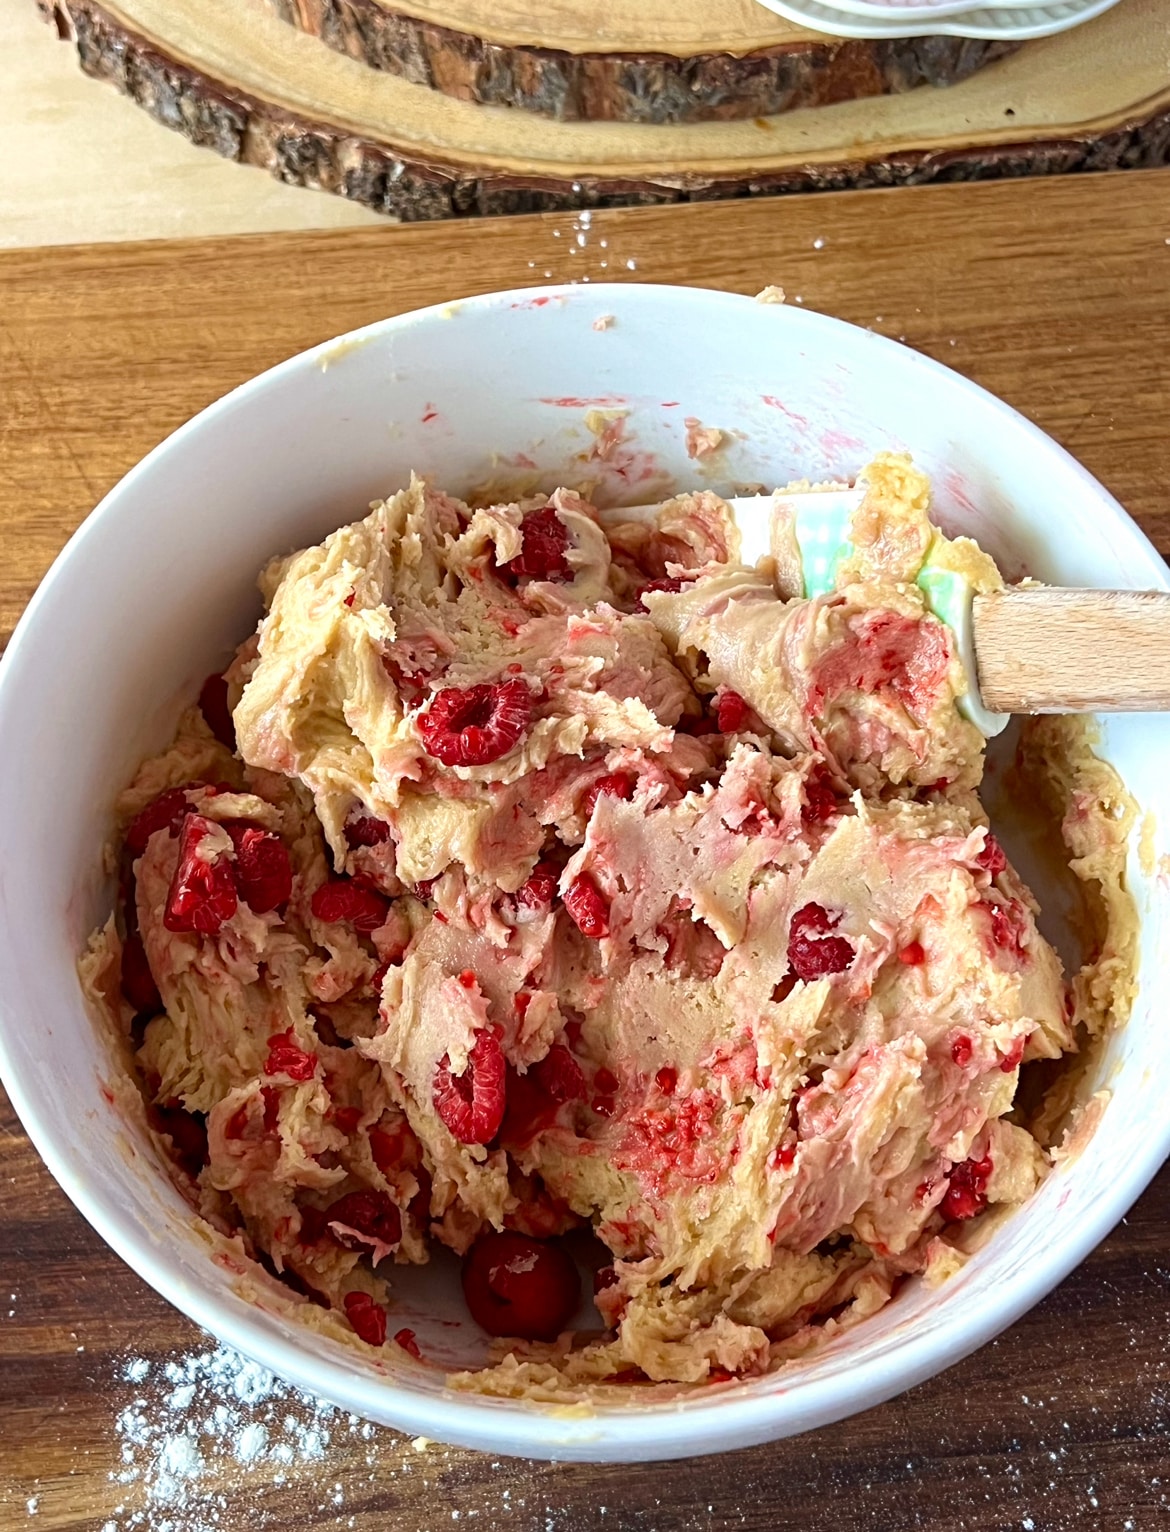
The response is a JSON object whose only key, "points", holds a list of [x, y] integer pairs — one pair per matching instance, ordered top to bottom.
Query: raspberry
{"points": [[542, 550], [671, 584], [213, 704], [730, 712], [475, 725], [615, 784], [820, 801], [166, 812], [365, 830], [992, 858], [263, 868], [538, 891], [202, 896], [343, 900], [587, 906], [1008, 926], [811, 952], [913, 954], [138, 984], [962, 1050], [287, 1057], [1012, 1057], [666, 1080], [605, 1081], [533, 1098], [471, 1105], [346, 1119], [187, 1133], [393, 1148], [783, 1156], [966, 1192], [367, 1212], [603, 1277], [519, 1286], [367, 1318], [406, 1339]]}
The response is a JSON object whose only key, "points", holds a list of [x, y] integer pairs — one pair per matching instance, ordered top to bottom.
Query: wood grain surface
{"points": [[229, 75], [1056, 294]]}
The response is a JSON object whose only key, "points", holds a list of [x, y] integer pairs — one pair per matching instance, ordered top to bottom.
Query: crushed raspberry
{"points": [[544, 539], [671, 584], [213, 704], [730, 712], [475, 725], [615, 784], [820, 801], [166, 812], [365, 830], [992, 858], [264, 873], [425, 888], [538, 891], [202, 896], [341, 899], [587, 906], [1008, 926], [812, 953], [913, 954], [468, 979], [138, 984], [962, 1050], [287, 1057], [1012, 1057], [560, 1075], [666, 1079], [605, 1081], [471, 1105], [346, 1119], [187, 1132], [392, 1149], [783, 1156], [966, 1192], [367, 1213], [603, 1277], [519, 1286], [367, 1318], [406, 1339], [720, 1375]]}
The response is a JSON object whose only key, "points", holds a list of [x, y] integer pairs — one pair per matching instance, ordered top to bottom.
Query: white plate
{"points": [[989, 23]]}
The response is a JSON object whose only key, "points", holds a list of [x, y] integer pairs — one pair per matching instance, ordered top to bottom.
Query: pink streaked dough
{"points": [[617, 886]]}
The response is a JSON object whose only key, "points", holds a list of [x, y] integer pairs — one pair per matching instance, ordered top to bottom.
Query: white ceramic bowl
{"points": [[158, 586]]}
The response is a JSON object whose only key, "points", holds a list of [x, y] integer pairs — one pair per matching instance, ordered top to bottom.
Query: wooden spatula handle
{"points": [[1073, 651]]}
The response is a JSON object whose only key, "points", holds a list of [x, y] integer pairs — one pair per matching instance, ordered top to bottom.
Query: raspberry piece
{"points": [[544, 539], [671, 584], [213, 704], [730, 712], [475, 725], [615, 784], [820, 801], [166, 812], [365, 830], [992, 858], [263, 867], [538, 891], [202, 896], [343, 900], [588, 906], [1008, 926], [812, 953], [913, 954], [138, 984], [962, 1050], [287, 1057], [1012, 1057], [666, 1079], [605, 1081], [534, 1098], [471, 1105], [346, 1118], [187, 1133], [783, 1156], [966, 1192], [367, 1213], [603, 1277], [519, 1286], [367, 1318], [406, 1339]]}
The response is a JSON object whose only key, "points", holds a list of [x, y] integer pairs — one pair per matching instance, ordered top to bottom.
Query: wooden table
{"points": [[1055, 294]]}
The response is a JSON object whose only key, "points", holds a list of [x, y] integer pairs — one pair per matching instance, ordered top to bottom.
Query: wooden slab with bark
{"points": [[654, 61], [231, 76]]}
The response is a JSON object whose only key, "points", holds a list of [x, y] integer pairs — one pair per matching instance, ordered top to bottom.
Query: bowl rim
{"points": [[724, 1419]]}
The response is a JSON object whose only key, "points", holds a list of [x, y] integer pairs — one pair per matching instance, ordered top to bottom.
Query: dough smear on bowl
{"points": [[568, 878]]}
